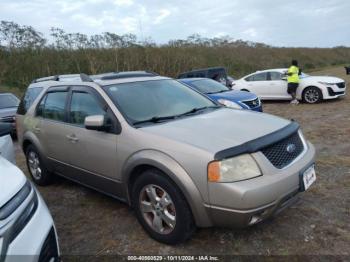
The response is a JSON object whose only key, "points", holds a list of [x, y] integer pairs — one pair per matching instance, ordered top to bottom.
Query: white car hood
{"points": [[327, 79], [220, 129], [11, 180]]}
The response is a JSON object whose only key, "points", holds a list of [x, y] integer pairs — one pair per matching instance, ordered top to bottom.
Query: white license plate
{"points": [[309, 177]]}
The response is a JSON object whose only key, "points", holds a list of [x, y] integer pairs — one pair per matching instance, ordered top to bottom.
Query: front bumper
{"points": [[334, 92], [248, 202], [37, 240]]}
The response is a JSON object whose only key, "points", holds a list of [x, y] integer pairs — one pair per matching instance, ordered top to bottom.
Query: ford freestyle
{"points": [[179, 159]]}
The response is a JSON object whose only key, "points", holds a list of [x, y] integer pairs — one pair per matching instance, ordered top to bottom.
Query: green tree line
{"points": [[26, 54]]}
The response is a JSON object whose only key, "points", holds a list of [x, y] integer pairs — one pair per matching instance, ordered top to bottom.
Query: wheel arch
{"points": [[31, 139], [148, 159]]}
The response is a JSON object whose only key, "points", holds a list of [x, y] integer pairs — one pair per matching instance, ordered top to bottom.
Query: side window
{"points": [[275, 76], [257, 77], [28, 99], [83, 105], [53, 106]]}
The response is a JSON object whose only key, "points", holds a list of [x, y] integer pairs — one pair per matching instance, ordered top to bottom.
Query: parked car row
{"points": [[272, 84], [176, 156]]}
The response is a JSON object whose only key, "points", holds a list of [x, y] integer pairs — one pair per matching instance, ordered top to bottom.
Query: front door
{"points": [[90, 151]]}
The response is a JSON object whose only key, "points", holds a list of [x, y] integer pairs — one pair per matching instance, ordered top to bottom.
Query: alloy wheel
{"points": [[312, 96], [34, 165], [157, 209]]}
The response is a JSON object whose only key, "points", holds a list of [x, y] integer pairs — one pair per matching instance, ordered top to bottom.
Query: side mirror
{"points": [[96, 122], [5, 129]]}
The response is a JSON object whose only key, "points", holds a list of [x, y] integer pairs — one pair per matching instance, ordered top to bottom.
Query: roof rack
{"points": [[124, 74], [63, 78]]}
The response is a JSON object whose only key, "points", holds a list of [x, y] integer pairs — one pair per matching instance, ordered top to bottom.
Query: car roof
{"points": [[272, 70], [6, 93]]}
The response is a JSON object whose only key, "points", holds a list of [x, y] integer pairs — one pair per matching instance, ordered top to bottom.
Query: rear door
{"points": [[258, 83], [278, 87], [52, 125]]}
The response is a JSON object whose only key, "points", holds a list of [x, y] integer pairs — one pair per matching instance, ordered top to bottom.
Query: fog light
{"points": [[254, 219]]}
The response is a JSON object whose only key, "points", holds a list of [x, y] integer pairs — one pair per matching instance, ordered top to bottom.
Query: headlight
{"points": [[327, 84], [229, 104], [233, 169]]}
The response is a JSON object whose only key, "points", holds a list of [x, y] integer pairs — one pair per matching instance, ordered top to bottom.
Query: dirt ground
{"points": [[89, 223]]}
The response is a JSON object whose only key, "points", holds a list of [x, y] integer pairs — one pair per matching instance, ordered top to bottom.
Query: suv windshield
{"points": [[209, 86], [157, 100], [7, 101]]}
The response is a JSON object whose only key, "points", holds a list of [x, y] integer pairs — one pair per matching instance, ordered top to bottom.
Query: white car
{"points": [[272, 85], [6, 145], [27, 231]]}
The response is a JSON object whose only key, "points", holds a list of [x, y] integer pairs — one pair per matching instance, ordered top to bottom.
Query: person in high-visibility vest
{"points": [[293, 81]]}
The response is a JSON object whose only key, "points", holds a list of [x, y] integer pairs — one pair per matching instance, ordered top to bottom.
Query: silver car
{"points": [[180, 160]]}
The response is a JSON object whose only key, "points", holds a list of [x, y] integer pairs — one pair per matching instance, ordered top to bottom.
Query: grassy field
{"points": [[89, 223]]}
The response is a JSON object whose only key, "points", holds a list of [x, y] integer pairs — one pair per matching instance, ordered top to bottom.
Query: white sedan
{"points": [[272, 85]]}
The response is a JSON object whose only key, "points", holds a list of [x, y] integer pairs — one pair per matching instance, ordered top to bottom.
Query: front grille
{"points": [[341, 85], [252, 103], [7, 119], [285, 151], [49, 250]]}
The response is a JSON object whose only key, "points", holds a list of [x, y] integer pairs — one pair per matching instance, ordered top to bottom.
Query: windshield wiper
{"points": [[196, 109], [155, 119]]}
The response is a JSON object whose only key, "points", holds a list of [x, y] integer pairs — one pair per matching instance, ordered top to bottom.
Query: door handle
{"points": [[36, 129], [72, 138]]}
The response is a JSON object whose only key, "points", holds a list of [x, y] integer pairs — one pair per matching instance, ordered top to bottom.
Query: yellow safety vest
{"points": [[294, 78]]}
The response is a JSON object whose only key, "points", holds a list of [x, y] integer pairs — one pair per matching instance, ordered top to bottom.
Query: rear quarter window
{"points": [[28, 99]]}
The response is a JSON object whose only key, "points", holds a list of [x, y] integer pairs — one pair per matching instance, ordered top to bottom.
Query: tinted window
{"points": [[275, 76], [257, 77], [209, 86], [28, 99], [143, 100], [7, 101], [83, 105], [53, 106]]}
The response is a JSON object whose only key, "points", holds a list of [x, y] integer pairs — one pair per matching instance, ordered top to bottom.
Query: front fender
{"points": [[176, 173]]}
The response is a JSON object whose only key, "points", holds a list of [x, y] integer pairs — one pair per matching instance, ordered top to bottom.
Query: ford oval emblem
{"points": [[291, 148]]}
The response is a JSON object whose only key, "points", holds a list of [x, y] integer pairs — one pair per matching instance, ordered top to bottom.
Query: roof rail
{"points": [[125, 74], [71, 77], [47, 78], [85, 78]]}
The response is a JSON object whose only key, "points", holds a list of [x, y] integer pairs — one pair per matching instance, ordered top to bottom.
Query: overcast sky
{"points": [[321, 23]]}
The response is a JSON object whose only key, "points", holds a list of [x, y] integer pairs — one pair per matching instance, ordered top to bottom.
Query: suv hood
{"points": [[327, 79], [219, 129], [11, 180]]}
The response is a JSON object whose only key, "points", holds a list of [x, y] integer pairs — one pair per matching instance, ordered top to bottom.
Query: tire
{"points": [[312, 95], [38, 172], [171, 224]]}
